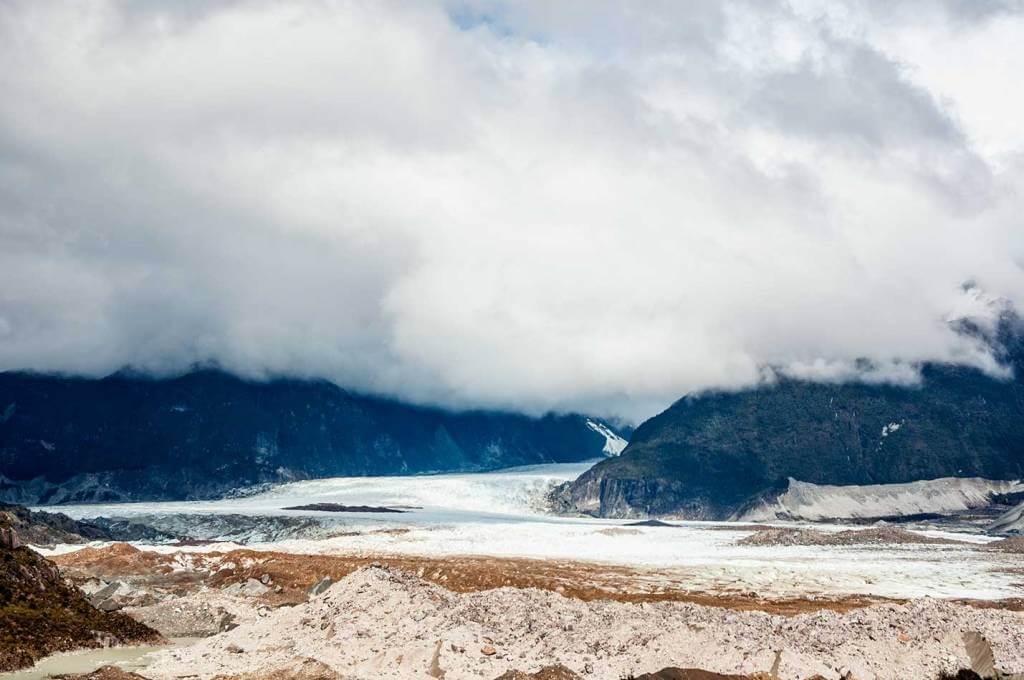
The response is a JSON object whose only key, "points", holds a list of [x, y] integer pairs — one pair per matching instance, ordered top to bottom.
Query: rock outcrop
{"points": [[709, 455], [42, 528], [9, 538], [41, 614]]}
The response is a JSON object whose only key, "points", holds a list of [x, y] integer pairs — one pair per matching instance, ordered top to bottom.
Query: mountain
{"points": [[207, 433], [710, 455], [41, 614]]}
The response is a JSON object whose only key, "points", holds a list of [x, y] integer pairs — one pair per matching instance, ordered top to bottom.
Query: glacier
{"points": [[613, 443], [512, 492], [818, 502], [501, 514], [1010, 522]]}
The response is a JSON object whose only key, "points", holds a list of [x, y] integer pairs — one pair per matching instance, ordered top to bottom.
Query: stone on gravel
{"points": [[320, 586], [251, 588], [199, 615], [102, 673], [689, 674]]}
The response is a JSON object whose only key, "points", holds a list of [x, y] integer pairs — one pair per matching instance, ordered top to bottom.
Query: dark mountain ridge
{"points": [[207, 433], [708, 454]]}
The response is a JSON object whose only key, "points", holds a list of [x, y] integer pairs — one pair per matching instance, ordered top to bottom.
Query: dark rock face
{"points": [[124, 438], [707, 454], [338, 507], [22, 525], [45, 528], [9, 539], [41, 614], [696, 674]]}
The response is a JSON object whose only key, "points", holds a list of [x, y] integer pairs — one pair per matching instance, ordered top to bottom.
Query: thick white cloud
{"points": [[576, 205]]}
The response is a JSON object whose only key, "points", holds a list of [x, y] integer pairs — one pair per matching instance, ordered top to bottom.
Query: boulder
{"points": [[9, 538], [320, 586]]}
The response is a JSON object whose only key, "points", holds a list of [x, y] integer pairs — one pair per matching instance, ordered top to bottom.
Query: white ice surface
{"points": [[518, 492], [500, 514]]}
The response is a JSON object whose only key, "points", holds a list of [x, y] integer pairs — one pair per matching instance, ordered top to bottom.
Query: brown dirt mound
{"points": [[1014, 544], [117, 557], [296, 573], [41, 614], [102, 673], [690, 674]]}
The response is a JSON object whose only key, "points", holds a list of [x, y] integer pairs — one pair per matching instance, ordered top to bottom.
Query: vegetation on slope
{"points": [[203, 434], [708, 453], [41, 614]]}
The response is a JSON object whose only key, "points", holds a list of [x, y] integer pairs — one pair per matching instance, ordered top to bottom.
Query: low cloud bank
{"points": [[590, 206]]}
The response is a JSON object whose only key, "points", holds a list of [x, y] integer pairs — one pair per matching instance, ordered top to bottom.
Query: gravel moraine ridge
{"points": [[383, 623]]}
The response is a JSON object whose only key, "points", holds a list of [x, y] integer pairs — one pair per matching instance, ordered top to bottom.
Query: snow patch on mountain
{"points": [[890, 428], [613, 443], [816, 502]]}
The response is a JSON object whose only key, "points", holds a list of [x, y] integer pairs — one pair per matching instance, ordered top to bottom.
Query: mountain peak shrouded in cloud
{"points": [[592, 206]]}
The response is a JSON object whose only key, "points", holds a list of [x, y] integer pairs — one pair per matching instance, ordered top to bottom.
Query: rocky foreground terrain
{"points": [[41, 614], [261, 614], [265, 614], [386, 623]]}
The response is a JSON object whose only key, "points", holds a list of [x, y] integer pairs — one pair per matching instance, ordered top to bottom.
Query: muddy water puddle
{"points": [[88, 660]]}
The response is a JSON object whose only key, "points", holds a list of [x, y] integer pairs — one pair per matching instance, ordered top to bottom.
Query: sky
{"points": [[577, 205]]}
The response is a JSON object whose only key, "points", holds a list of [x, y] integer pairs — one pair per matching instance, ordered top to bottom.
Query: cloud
{"points": [[528, 205]]}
